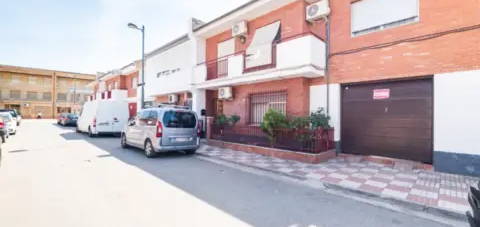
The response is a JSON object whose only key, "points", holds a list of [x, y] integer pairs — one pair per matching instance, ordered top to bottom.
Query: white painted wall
{"points": [[307, 50], [177, 57], [235, 65], [119, 95], [318, 99], [457, 112]]}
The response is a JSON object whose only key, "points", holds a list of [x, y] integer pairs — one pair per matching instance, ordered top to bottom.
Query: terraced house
{"points": [[399, 79], [399, 82], [118, 84], [40, 91]]}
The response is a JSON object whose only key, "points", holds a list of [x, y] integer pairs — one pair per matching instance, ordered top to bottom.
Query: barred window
{"points": [[15, 94], [32, 95], [47, 96], [61, 97], [261, 103]]}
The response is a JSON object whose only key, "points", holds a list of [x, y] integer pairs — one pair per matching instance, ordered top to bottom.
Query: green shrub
{"points": [[234, 119], [320, 119], [221, 120], [273, 121], [300, 123]]}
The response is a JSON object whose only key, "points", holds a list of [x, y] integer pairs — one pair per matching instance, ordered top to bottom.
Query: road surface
{"points": [[51, 176]]}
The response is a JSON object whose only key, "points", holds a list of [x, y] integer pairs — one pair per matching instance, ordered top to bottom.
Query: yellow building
{"points": [[42, 92]]}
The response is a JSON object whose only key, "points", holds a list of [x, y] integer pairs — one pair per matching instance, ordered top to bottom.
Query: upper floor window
{"points": [[373, 15], [260, 52], [16, 79], [32, 80], [62, 97]]}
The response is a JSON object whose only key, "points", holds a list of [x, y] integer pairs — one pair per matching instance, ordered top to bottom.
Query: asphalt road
{"points": [[52, 176]]}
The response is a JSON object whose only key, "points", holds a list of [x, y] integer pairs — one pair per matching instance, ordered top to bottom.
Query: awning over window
{"points": [[259, 52]]}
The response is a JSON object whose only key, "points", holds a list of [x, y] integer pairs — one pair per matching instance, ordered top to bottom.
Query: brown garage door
{"points": [[391, 119]]}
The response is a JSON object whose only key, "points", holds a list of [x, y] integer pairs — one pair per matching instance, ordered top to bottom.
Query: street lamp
{"points": [[142, 29]]}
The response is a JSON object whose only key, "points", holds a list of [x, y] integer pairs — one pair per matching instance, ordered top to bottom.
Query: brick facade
{"points": [[451, 52]]}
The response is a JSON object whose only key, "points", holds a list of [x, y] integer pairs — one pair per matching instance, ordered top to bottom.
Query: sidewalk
{"points": [[432, 189]]}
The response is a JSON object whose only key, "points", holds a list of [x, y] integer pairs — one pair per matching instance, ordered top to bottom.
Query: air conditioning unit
{"points": [[318, 10], [239, 29], [225, 93], [172, 98]]}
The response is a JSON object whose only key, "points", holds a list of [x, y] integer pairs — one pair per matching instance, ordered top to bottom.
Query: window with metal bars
{"points": [[261, 103]]}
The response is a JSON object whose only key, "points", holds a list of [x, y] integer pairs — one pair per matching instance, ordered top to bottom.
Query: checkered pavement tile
{"points": [[441, 190]]}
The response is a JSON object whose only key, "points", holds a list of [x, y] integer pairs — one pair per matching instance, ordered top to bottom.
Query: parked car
{"points": [[15, 114], [103, 117], [67, 119], [10, 122], [163, 129], [3, 130]]}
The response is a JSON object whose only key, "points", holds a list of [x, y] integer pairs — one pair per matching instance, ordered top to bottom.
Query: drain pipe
{"points": [[327, 61]]}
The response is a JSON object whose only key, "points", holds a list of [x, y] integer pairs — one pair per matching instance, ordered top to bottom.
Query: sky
{"points": [[90, 36]]}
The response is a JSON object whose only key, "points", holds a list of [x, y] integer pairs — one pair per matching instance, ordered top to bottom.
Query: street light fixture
{"points": [[142, 29]]}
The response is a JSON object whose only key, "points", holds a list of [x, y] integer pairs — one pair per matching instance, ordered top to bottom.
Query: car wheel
{"points": [[90, 134], [123, 141], [149, 152], [190, 152]]}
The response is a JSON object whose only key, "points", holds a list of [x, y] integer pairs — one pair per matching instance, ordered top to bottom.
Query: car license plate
{"points": [[182, 139]]}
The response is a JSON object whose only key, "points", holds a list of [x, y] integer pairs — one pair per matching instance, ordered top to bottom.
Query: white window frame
{"points": [[381, 27]]}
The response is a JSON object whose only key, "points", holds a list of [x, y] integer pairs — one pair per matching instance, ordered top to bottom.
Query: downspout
{"points": [[327, 61]]}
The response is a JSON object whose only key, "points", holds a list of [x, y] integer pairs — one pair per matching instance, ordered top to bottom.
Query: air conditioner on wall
{"points": [[317, 10], [240, 29], [225, 93], [172, 98]]}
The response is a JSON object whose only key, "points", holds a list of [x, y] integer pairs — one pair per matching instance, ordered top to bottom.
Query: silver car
{"points": [[163, 129]]}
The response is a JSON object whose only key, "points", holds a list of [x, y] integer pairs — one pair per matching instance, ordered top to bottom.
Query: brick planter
{"points": [[277, 153]]}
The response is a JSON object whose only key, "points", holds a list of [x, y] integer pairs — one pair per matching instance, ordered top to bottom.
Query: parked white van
{"points": [[103, 117]]}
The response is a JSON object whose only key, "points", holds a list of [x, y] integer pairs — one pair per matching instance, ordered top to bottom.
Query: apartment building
{"points": [[401, 81], [118, 84], [35, 91]]}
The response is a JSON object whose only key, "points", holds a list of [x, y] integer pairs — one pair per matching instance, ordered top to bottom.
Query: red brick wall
{"points": [[293, 23], [454, 52], [132, 92], [297, 97]]}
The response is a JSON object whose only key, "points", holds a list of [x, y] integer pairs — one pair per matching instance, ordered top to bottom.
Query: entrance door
{"points": [[391, 119]]}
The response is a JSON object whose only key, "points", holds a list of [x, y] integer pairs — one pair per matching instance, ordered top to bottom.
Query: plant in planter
{"points": [[234, 119], [319, 119], [221, 121], [273, 122], [300, 127]]}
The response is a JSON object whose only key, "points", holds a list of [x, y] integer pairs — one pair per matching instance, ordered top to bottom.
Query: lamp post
{"points": [[142, 29]]}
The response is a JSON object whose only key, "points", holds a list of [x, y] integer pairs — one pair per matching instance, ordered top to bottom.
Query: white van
{"points": [[103, 117]]}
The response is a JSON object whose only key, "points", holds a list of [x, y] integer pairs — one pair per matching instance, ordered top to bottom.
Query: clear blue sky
{"points": [[91, 35]]}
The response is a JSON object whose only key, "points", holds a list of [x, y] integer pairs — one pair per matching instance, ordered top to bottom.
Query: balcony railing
{"points": [[303, 50], [217, 68]]}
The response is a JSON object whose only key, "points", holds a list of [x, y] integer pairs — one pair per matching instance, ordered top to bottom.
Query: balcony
{"points": [[299, 56]]}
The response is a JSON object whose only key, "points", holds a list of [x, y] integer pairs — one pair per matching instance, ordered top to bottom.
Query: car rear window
{"points": [[179, 119]]}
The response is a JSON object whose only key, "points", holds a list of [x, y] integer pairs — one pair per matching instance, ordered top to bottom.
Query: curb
{"points": [[406, 204]]}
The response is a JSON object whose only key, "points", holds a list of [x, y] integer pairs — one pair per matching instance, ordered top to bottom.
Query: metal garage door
{"points": [[391, 119]]}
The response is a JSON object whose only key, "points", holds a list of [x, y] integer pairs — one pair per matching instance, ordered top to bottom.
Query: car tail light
{"points": [[94, 123], [2, 124], [159, 129], [199, 129]]}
